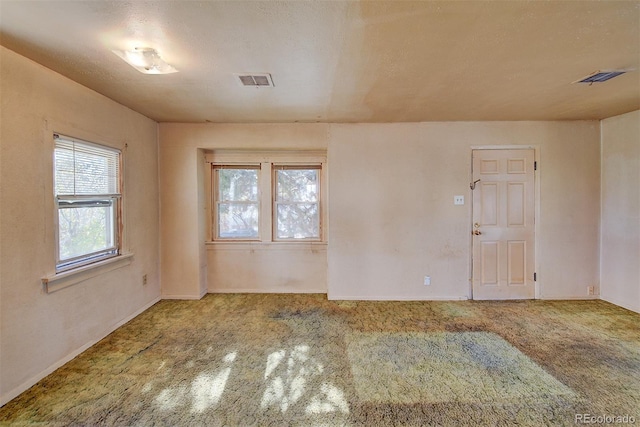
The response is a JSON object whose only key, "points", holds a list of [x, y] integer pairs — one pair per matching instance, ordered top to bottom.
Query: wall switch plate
{"points": [[458, 200], [427, 280]]}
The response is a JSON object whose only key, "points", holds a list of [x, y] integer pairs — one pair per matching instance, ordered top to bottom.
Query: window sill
{"points": [[266, 246], [57, 281]]}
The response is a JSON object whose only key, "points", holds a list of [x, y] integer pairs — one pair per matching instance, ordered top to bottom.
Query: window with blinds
{"points": [[87, 198]]}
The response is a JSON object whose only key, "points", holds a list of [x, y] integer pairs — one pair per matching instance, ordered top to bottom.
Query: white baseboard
{"points": [[266, 291], [186, 297], [570, 297], [395, 298], [624, 304], [15, 392]]}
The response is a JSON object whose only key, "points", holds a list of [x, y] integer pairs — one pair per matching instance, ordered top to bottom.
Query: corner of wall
{"points": [[620, 210]]}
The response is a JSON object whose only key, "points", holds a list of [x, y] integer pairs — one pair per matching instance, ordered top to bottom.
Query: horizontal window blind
{"points": [[243, 166], [305, 166], [82, 168]]}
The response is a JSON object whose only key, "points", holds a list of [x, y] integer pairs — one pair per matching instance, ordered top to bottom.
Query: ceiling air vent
{"points": [[600, 76], [256, 80]]}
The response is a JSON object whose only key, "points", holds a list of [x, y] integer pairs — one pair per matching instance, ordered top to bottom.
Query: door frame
{"points": [[536, 211]]}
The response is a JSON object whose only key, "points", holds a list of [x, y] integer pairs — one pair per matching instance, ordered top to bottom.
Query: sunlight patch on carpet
{"points": [[408, 368], [292, 374], [204, 393]]}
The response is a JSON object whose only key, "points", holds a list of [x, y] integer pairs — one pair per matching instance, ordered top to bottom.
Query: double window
{"points": [[87, 200], [267, 201]]}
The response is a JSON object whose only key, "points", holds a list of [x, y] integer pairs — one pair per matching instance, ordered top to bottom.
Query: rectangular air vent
{"points": [[600, 76], [256, 80]]}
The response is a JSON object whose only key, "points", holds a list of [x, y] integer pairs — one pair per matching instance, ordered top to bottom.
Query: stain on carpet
{"points": [[301, 360], [472, 367]]}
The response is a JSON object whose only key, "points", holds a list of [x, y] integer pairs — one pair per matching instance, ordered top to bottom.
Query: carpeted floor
{"points": [[300, 360]]}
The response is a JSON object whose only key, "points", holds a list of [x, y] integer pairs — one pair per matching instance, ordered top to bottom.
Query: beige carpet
{"points": [[300, 360]]}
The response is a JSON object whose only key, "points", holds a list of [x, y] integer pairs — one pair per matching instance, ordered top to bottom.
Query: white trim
{"points": [[537, 185], [600, 222], [257, 245], [57, 281], [267, 291], [186, 297], [396, 298], [570, 298], [624, 304], [16, 391]]}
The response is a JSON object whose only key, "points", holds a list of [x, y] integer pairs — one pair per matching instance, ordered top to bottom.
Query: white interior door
{"points": [[503, 224]]}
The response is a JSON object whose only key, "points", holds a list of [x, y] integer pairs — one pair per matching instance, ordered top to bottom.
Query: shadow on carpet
{"points": [[300, 360]]}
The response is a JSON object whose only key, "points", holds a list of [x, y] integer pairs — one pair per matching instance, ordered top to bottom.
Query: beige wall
{"points": [[391, 213], [392, 218], [620, 261], [190, 267], [274, 267], [41, 330]]}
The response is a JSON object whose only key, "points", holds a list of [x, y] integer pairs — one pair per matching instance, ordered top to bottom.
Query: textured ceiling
{"points": [[343, 61]]}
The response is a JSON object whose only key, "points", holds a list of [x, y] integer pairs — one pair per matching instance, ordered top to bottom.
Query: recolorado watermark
{"points": [[604, 419]]}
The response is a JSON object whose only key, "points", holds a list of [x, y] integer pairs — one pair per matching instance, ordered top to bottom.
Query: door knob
{"points": [[477, 232]]}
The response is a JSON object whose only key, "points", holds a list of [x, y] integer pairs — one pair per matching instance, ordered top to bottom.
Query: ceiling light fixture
{"points": [[146, 60]]}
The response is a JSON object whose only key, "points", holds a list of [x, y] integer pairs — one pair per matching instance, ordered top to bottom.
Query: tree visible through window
{"points": [[87, 194], [267, 196], [237, 202], [297, 207]]}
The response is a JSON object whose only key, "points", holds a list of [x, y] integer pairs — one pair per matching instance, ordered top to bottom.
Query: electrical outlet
{"points": [[458, 200], [144, 279], [427, 280], [590, 290]]}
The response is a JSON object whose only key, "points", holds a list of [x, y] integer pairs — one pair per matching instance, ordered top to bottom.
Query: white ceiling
{"points": [[343, 61]]}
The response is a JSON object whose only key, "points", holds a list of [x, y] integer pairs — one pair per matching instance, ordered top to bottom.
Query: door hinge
{"points": [[535, 166], [535, 277]]}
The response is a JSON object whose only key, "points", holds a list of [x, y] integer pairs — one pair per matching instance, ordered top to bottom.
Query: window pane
{"points": [[85, 169], [92, 174], [64, 177], [64, 182], [238, 185], [297, 185], [238, 220], [298, 221], [87, 227], [85, 230]]}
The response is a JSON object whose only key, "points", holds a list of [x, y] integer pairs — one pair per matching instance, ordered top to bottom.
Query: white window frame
{"points": [[268, 161], [275, 167], [67, 201], [216, 202]]}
